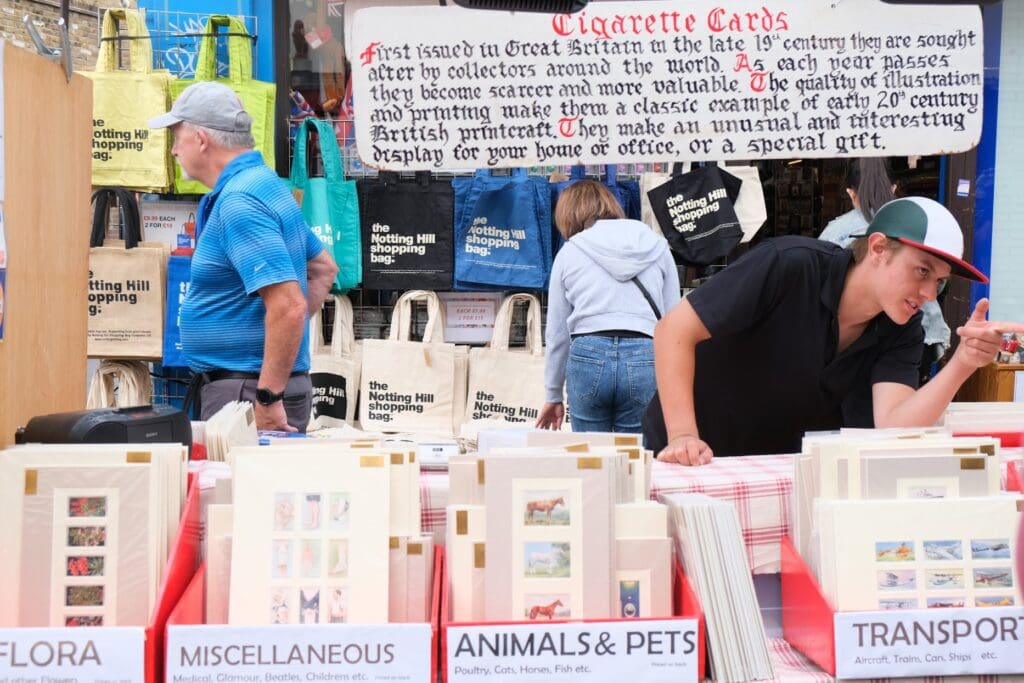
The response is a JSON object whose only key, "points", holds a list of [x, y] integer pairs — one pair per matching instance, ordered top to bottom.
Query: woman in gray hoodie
{"points": [[610, 282]]}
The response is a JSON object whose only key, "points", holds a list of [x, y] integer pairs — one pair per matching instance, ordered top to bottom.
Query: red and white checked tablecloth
{"points": [[760, 486]]}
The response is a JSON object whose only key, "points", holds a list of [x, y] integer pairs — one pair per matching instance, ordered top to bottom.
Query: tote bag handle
{"points": [[401, 318], [503, 323]]}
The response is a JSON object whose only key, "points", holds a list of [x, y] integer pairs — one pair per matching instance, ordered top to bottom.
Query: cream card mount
{"points": [[550, 521], [310, 541], [918, 553]]}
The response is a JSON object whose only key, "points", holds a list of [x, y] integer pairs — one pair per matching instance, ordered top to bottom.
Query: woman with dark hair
{"points": [[869, 187], [606, 282]]}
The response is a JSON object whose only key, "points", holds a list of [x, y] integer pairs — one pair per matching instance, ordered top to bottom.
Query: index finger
{"points": [[1006, 326]]}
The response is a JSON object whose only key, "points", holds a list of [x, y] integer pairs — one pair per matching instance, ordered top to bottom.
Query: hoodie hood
{"points": [[622, 247]]}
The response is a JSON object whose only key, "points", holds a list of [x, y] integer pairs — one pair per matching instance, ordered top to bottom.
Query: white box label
{"points": [[164, 221], [469, 316], [935, 642], [642, 650], [387, 652], [112, 654]]}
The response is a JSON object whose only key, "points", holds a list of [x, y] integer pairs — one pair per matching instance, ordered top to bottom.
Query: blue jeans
{"points": [[609, 381]]}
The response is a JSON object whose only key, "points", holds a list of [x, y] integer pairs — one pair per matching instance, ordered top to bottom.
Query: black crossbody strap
{"points": [[647, 295]]}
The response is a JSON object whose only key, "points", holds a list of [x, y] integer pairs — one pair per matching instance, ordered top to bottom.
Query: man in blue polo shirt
{"points": [[257, 271], [802, 335]]}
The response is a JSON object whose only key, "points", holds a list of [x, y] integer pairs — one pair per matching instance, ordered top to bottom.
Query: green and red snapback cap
{"points": [[929, 226]]}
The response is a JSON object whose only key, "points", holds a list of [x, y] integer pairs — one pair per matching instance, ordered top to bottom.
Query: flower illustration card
{"points": [[87, 551]]}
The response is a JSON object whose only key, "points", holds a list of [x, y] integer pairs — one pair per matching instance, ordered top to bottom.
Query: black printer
{"points": [[137, 424]]}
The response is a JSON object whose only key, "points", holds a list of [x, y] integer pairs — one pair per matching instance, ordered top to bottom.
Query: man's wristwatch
{"points": [[266, 397]]}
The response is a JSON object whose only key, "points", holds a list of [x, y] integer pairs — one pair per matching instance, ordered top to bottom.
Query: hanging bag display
{"points": [[257, 96], [125, 152], [329, 203], [751, 210], [696, 215], [407, 229], [502, 231], [179, 274], [127, 280], [334, 369], [120, 384], [507, 385], [409, 386]]}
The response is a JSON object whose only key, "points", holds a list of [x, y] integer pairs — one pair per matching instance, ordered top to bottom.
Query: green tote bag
{"points": [[257, 96], [329, 203]]}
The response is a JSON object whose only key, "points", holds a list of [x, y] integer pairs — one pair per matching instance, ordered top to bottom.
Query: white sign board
{"points": [[447, 88], [170, 222], [469, 316], [944, 642], [652, 651], [387, 652], [83, 654]]}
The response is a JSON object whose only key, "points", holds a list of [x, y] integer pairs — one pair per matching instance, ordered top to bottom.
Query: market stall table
{"points": [[761, 486]]}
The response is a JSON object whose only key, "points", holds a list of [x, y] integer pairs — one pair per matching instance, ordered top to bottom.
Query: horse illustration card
{"points": [[550, 520], [309, 526], [923, 551]]}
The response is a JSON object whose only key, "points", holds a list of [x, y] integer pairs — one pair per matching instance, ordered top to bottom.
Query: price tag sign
{"points": [[933, 642], [653, 651], [386, 652], [84, 655]]}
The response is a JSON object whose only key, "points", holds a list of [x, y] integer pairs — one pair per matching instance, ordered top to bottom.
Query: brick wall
{"points": [[84, 19]]}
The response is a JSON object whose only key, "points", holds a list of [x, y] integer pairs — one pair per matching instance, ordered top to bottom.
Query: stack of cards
{"points": [[984, 418], [232, 425], [882, 465], [540, 508], [907, 520], [86, 531], [327, 532], [564, 532], [711, 549], [918, 553]]}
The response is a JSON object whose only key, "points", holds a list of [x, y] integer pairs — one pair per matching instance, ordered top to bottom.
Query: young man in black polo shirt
{"points": [[801, 335]]}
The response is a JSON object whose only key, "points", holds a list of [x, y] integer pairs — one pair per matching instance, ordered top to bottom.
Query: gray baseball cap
{"points": [[208, 104]]}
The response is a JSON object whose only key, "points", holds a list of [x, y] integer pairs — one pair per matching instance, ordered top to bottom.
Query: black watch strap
{"points": [[267, 397]]}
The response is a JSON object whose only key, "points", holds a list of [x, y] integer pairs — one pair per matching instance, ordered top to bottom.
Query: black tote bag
{"points": [[696, 214], [408, 231]]}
